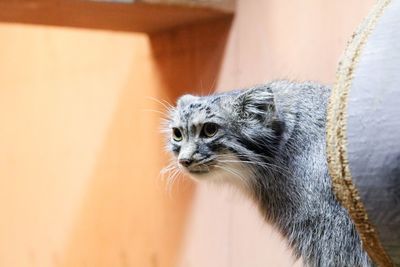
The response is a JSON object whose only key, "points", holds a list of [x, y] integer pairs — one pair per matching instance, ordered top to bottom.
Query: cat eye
{"points": [[209, 129], [177, 134]]}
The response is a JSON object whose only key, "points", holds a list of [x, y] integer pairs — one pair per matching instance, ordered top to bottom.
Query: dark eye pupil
{"points": [[210, 129], [177, 135]]}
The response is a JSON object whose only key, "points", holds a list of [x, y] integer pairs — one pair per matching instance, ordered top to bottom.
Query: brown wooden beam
{"points": [[123, 15]]}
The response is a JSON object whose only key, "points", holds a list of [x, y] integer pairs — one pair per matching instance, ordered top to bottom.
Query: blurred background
{"points": [[80, 147]]}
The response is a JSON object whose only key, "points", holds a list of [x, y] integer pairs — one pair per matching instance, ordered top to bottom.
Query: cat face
{"points": [[197, 134], [220, 135]]}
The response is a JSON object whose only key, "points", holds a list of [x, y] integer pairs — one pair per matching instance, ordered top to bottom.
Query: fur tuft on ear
{"points": [[185, 100], [255, 102]]}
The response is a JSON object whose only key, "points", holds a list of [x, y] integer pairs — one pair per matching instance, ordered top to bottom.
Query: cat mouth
{"points": [[200, 168]]}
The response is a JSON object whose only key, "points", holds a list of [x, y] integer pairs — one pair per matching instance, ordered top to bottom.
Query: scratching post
{"points": [[363, 132]]}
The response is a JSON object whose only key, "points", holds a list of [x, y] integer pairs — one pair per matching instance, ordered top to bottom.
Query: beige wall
{"points": [[80, 153]]}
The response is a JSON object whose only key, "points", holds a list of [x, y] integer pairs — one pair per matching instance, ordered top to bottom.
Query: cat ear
{"points": [[186, 99], [255, 102]]}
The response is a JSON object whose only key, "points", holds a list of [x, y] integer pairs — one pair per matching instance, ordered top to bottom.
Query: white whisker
{"points": [[164, 103], [157, 112], [231, 171]]}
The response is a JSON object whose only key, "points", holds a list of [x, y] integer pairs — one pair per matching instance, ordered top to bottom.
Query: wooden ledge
{"points": [[147, 16]]}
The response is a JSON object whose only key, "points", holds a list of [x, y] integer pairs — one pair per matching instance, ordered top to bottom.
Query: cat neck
{"points": [[296, 198]]}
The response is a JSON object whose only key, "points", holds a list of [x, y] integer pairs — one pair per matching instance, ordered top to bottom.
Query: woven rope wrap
{"points": [[345, 190]]}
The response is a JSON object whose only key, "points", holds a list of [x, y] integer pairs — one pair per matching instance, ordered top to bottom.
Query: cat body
{"points": [[269, 141]]}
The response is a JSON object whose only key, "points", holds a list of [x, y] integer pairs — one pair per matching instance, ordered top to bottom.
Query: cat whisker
{"points": [[162, 102], [157, 112], [266, 165], [231, 171], [170, 174], [172, 179]]}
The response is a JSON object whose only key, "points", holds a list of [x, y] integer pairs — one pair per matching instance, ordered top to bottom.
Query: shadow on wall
{"points": [[188, 59], [127, 219]]}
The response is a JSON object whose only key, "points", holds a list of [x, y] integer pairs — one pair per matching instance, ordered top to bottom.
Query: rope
{"points": [[345, 190]]}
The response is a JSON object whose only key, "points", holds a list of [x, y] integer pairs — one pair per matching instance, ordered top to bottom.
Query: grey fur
{"points": [[271, 143]]}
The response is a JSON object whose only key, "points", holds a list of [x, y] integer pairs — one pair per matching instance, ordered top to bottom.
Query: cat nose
{"points": [[185, 162]]}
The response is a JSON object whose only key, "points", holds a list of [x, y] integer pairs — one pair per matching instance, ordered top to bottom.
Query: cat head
{"points": [[223, 135]]}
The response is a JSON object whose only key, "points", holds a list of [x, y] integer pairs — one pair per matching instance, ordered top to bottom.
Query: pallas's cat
{"points": [[269, 141]]}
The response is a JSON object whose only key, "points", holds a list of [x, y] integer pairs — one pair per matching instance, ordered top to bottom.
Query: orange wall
{"points": [[81, 149], [80, 152]]}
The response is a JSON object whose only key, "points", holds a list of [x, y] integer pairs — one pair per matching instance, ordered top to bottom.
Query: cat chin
{"points": [[199, 171], [200, 175], [215, 175], [221, 177]]}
